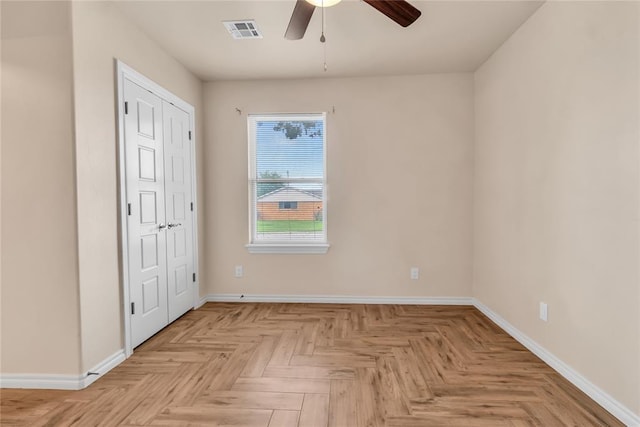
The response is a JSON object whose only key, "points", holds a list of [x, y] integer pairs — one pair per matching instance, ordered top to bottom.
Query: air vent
{"points": [[246, 29]]}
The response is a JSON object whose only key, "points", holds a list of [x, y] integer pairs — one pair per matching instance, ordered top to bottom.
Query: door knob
{"points": [[171, 225], [161, 226]]}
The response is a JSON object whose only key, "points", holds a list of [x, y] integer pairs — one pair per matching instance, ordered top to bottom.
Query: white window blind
{"points": [[287, 179]]}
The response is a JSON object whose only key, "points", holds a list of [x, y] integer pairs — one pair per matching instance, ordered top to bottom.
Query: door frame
{"points": [[123, 72]]}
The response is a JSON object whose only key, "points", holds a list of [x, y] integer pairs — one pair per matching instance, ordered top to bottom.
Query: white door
{"points": [[177, 166], [146, 222]]}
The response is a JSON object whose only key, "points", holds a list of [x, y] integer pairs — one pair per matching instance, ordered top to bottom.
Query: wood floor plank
{"points": [[307, 339], [284, 349], [173, 357], [260, 358], [335, 361], [340, 365], [233, 368], [319, 372], [201, 379], [412, 380], [282, 385], [162, 392], [392, 398], [252, 400], [342, 404], [25, 407], [469, 408], [315, 411], [96, 412], [369, 412], [64, 415], [213, 417], [284, 419], [428, 420]]}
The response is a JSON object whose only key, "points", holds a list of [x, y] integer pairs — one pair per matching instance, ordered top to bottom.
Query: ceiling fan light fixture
{"points": [[323, 3]]}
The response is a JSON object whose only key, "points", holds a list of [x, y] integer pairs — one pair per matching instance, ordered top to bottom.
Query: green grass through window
{"points": [[288, 225]]}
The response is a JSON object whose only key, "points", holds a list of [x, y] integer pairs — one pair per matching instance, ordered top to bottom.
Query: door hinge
{"points": [[126, 107], [189, 135], [191, 206], [129, 209], [194, 277], [133, 308]]}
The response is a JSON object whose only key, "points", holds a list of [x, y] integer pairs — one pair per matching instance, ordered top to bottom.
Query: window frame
{"points": [[284, 246]]}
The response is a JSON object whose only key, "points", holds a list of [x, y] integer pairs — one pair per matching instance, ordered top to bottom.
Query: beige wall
{"points": [[100, 34], [399, 167], [557, 187], [61, 302], [40, 313]]}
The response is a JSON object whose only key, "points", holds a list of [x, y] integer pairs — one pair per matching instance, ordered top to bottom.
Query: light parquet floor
{"points": [[305, 365]]}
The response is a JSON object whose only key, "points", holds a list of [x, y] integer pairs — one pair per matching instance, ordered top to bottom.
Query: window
{"points": [[288, 205], [287, 208]]}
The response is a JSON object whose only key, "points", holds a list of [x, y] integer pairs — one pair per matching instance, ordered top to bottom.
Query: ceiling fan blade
{"points": [[399, 10], [299, 22]]}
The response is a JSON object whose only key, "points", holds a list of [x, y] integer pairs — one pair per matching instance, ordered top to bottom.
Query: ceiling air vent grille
{"points": [[246, 29]]}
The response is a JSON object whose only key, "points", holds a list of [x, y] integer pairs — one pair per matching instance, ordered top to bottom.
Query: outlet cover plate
{"points": [[544, 311]]}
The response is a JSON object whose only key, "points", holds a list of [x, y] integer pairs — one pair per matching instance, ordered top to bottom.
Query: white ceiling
{"points": [[450, 36]]}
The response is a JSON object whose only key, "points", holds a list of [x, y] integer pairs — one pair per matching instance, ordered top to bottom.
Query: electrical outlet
{"points": [[239, 271], [415, 273], [543, 311]]}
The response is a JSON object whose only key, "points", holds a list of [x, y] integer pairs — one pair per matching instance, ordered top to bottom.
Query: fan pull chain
{"points": [[323, 39]]}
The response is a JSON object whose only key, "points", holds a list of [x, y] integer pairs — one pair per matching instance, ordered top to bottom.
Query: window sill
{"points": [[288, 248]]}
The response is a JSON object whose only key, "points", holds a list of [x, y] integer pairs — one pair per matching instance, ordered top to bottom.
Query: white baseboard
{"points": [[337, 299], [103, 367], [45, 381], [61, 382], [616, 408]]}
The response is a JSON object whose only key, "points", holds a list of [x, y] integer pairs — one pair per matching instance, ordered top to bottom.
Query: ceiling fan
{"points": [[399, 11]]}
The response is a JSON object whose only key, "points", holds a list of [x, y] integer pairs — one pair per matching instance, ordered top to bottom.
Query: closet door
{"points": [[177, 166], [146, 222]]}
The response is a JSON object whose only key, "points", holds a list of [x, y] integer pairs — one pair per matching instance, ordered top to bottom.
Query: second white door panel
{"points": [[177, 157]]}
